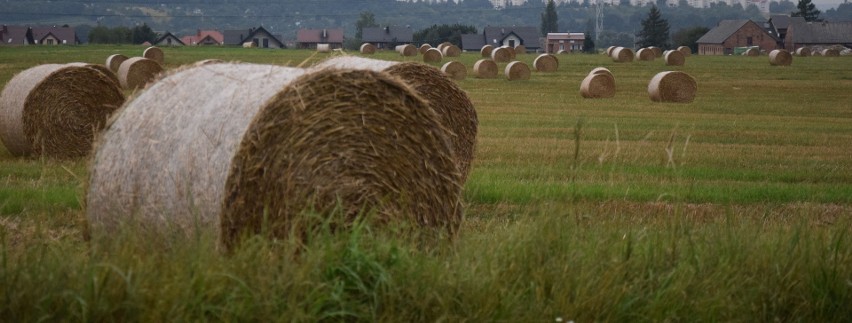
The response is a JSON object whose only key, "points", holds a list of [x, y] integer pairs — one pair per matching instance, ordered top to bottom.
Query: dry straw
{"points": [[442, 45], [323, 48], [423, 48], [367, 49], [520, 49], [407, 50], [486, 50], [609, 50], [685, 50], [451, 51], [512, 52], [563, 52], [658, 52], [752, 52], [803, 52], [830, 52], [154, 53], [816, 53], [645, 54], [432, 55], [501, 55], [622, 55], [780, 57], [675, 58], [114, 61], [208, 61], [546, 63], [103, 69], [485, 69], [455, 70], [601, 70], [516, 71], [135, 72], [598, 85], [672, 86], [452, 104], [56, 110], [237, 149]]}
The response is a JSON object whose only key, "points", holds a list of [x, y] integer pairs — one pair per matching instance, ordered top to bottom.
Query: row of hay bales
{"points": [[828, 52], [676, 57], [515, 70], [135, 72], [669, 86]]}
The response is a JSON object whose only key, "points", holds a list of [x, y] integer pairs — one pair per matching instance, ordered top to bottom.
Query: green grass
{"points": [[736, 207]]}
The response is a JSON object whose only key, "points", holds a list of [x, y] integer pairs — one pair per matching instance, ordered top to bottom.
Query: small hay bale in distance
{"points": [[248, 44], [442, 45], [323, 48], [423, 48], [367, 49], [520, 49], [407, 50], [486, 50], [609, 50], [685, 50], [451, 51], [563, 52], [658, 52], [752, 52], [803, 52], [830, 52], [154, 53], [512, 53], [816, 53], [645, 54], [432, 55], [501, 55], [622, 55], [780, 57], [675, 58], [114, 61], [546, 63], [100, 68], [485, 69], [455, 70], [601, 70], [517, 71], [135, 72], [598, 86], [672, 86], [56, 110]]}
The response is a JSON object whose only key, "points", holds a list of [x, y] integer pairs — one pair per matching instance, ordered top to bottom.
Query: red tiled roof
{"points": [[315, 35], [198, 38]]}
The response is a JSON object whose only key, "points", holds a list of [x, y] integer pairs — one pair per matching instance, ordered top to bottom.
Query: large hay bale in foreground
{"points": [[323, 48], [423, 48], [367, 49], [520, 49], [407, 50], [486, 50], [685, 50], [451, 51], [658, 52], [752, 52], [803, 52], [830, 52], [154, 53], [645, 54], [432, 55], [501, 55], [622, 55], [780, 57], [675, 58], [114, 62], [546, 63], [100, 68], [485, 69], [455, 70], [517, 70], [601, 70], [135, 72], [598, 85], [672, 86], [452, 104], [56, 110], [235, 149]]}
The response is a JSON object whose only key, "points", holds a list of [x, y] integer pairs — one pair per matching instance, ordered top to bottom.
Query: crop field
{"points": [[735, 207]]}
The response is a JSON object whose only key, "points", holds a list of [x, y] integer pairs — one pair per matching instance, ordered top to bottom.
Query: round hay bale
{"points": [[441, 46], [323, 48], [423, 48], [367, 49], [520, 49], [407, 50], [486, 50], [609, 50], [685, 50], [451, 51], [563, 52], [658, 52], [752, 52], [803, 52], [830, 52], [154, 53], [512, 53], [816, 53], [645, 54], [432, 55], [501, 55], [622, 55], [780, 57], [675, 58], [114, 61], [546, 63], [103, 69], [485, 69], [455, 70], [517, 70], [601, 70], [135, 72], [597, 86], [672, 86], [452, 104], [56, 110], [343, 141]]}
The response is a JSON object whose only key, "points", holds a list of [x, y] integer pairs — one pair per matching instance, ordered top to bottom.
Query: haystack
{"points": [[249, 44], [442, 45], [323, 48], [423, 48], [368, 49], [520, 49], [407, 50], [486, 50], [609, 50], [685, 50], [451, 51], [512, 52], [563, 52], [658, 52], [752, 52], [803, 52], [830, 52], [154, 53], [816, 53], [645, 54], [432, 55], [501, 55], [622, 55], [780, 57], [675, 58], [114, 61], [546, 63], [103, 69], [485, 69], [455, 70], [517, 70], [601, 70], [135, 72], [596, 86], [672, 86], [452, 104], [56, 110], [237, 149]]}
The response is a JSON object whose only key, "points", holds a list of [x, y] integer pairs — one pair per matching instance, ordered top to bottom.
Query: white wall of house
{"points": [[511, 41]]}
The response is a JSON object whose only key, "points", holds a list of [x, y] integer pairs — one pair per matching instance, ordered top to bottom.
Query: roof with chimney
{"points": [[387, 34], [334, 35], [529, 35], [204, 37]]}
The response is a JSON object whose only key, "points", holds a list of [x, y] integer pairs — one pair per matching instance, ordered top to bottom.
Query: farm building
{"points": [[780, 24], [729, 34], [820, 34], [23, 35], [503, 36], [204, 37], [257, 37], [387, 37], [309, 38], [168, 39], [569, 42]]}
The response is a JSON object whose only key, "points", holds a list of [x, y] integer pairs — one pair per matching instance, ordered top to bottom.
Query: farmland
{"points": [[735, 207]]}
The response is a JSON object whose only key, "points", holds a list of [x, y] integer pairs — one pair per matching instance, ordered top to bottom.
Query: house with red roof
{"points": [[204, 37], [310, 38]]}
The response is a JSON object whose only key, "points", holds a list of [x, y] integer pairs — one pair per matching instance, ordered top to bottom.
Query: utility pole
{"points": [[598, 19]]}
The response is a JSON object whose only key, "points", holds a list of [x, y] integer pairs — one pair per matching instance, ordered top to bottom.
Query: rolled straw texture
{"points": [[442, 45], [323, 48], [423, 48], [367, 49], [520, 49], [407, 50], [486, 50], [609, 50], [685, 50], [451, 51], [563, 52], [658, 52], [752, 52], [803, 52], [830, 52], [154, 53], [512, 53], [816, 53], [645, 54], [432, 55], [501, 55], [622, 55], [780, 57], [675, 58], [114, 61], [546, 63], [101, 68], [485, 69], [455, 70], [517, 70], [600, 70], [136, 72], [596, 86], [672, 86], [452, 104], [56, 110]]}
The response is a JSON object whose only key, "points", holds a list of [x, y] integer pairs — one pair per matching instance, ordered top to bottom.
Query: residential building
{"points": [[729, 34], [820, 34], [510, 36], [204, 37], [257, 37], [387, 37], [309, 38], [168, 39], [569, 42]]}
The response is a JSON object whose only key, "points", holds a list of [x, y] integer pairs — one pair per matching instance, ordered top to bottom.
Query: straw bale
{"points": [[248, 44], [441, 46], [323, 48], [423, 48], [368, 49], [520, 49], [407, 50], [609, 50], [685, 50], [451, 51], [486, 51], [563, 52], [658, 52], [752, 52], [803, 52], [830, 52], [154, 53], [512, 53], [816, 53], [645, 54], [432, 55], [501, 55], [622, 55], [780, 57], [675, 58], [114, 61], [546, 63], [103, 69], [485, 69], [455, 70], [517, 70], [601, 70], [135, 72], [598, 85], [672, 86], [452, 104], [56, 110], [231, 148]]}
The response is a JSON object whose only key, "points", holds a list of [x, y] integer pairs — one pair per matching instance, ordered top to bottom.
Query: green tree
{"points": [[806, 10], [367, 19], [549, 20], [655, 30], [443, 33], [141, 34], [688, 37], [588, 44]]}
